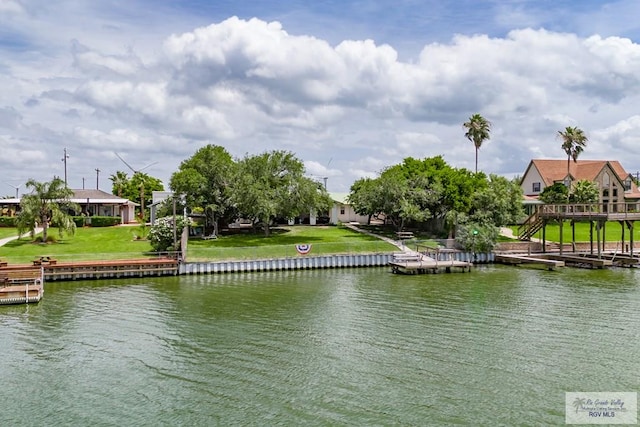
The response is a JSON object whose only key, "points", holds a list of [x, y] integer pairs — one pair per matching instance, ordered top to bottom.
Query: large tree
{"points": [[478, 131], [573, 143], [205, 181], [273, 184], [418, 190], [363, 196], [499, 203], [47, 205]]}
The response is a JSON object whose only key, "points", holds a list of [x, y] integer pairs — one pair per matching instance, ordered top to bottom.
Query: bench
{"points": [[407, 257]]}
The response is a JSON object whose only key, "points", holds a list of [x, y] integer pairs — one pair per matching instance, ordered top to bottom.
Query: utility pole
{"points": [[64, 159], [97, 178], [83, 182]]}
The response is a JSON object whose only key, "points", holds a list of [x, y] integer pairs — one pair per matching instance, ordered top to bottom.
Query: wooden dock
{"points": [[538, 259], [581, 260], [623, 260], [552, 261], [419, 264], [110, 269], [55, 270], [21, 285]]}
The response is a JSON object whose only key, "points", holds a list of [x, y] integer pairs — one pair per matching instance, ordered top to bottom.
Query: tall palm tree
{"points": [[478, 130], [573, 143], [47, 204]]}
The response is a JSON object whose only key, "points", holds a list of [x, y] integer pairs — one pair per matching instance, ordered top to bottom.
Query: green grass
{"points": [[612, 229], [8, 232], [102, 243], [107, 243], [281, 243]]}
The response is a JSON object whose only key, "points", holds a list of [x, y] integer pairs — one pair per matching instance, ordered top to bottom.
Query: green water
{"points": [[498, 346]]}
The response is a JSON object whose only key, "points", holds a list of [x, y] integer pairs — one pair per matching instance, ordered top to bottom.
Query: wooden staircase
{"points": [[531, 226]]}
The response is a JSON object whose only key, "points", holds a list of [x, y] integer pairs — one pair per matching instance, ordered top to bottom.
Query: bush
{"points": [[8, 221], [96, 221], [104, 221], [161, 233], [476, 237]]}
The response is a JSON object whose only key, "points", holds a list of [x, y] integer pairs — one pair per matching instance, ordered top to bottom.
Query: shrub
{"points": [[7, 221], [96, 221], [104, 221], [161, 233]]}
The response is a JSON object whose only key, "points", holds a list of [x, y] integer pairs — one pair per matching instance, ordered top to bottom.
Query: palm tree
{"points": [[478, 130], [573, 142], [120, 181], [47, 205]]}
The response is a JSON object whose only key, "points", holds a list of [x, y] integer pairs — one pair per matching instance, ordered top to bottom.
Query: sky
{"points": [[350, 87]]}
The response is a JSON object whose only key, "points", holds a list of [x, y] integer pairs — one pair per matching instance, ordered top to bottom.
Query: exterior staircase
{"points": [[530, 226]]}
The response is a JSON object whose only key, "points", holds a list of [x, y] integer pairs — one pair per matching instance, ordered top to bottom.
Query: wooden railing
{"points": [[617, 209], [530, 227]]}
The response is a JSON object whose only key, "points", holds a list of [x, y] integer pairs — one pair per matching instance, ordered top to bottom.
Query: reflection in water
{"points": [[353, 346]]}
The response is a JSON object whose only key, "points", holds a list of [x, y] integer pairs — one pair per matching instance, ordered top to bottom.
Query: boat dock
{"points": [[539, 259], [577, 259], [624, 260], [552, 261], [421, 264], [109, 269], [21, 285]]}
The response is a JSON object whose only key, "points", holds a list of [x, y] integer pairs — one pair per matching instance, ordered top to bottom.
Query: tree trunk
{"points": [[476, 159]]}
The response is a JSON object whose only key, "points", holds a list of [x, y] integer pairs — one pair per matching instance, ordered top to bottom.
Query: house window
{"points": [[627, 184], [536, 187], [341, 210]]}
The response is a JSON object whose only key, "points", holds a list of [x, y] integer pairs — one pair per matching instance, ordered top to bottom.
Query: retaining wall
{"points": [[313, 262]]}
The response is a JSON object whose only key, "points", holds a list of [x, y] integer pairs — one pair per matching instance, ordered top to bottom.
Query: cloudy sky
{"points": [[349, 86]]}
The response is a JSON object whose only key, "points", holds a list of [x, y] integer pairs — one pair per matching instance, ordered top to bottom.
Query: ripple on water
{"points": [[353, 346]]}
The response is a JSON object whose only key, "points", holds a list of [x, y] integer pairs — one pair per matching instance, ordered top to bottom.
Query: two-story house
{"points": [[617, 189]]}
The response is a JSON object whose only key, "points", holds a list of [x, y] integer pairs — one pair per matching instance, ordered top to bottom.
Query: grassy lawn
{"points": [[8, 232], [613, 232], [118, 243], [281, 243], [87, 244]]}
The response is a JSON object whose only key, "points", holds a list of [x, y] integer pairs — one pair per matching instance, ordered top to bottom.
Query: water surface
{"points": [[498, 346]]}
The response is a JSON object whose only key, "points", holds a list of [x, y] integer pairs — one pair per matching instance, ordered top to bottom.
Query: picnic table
{"points": [[404, 235], [44, 260]]}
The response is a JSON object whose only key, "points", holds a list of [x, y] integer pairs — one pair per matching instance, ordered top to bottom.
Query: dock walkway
{"points": [[422, 264], [550, 264]]}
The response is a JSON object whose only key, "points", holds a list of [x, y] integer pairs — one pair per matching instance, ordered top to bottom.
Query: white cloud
{"points": [[11, 7], [251, 86]]}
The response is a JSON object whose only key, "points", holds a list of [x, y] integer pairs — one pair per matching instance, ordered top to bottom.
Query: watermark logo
{"points": [[601, 407]]}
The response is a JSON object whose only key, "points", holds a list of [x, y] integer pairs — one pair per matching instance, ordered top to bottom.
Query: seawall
{"points": [[312, 262]]}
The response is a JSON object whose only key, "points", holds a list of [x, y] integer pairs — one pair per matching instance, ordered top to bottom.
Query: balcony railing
{"points": [[617, 210]]}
